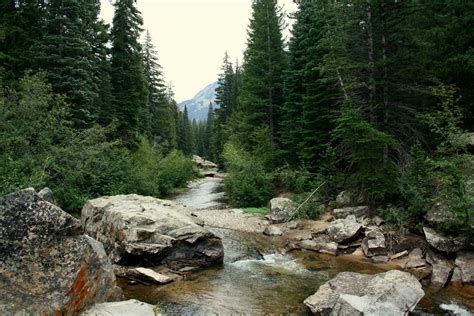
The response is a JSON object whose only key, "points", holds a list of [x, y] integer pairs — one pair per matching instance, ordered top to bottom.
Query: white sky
{"points": [[191, 37]]}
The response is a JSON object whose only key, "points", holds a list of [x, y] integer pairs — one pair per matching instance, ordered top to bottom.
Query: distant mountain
{"points": [[198, 106]]}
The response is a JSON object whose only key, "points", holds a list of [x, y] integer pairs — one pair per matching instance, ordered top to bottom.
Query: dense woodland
{"points": [[370, 96], [84, 108]]}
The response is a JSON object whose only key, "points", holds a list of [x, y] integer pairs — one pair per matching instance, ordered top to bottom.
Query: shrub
{"points": [[38, 148], [174, 171], [247, 183]]}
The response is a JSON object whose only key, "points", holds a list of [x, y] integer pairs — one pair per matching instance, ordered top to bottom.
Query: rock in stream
{"points": [[139, 230], [349, 293]]}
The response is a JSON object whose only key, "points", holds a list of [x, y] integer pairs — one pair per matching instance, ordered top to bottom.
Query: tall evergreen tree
{"points": [[21, 24], [66, 52], [128, 80], [262, 80], [226, 98], [157, 101], [309, 111], [208, 131], [185, 133]]}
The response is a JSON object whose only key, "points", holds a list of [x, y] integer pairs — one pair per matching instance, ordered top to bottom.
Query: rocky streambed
{"points": [[168, 257]]}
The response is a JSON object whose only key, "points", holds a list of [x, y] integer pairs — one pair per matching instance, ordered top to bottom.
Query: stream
{"points": [[257, 276]]}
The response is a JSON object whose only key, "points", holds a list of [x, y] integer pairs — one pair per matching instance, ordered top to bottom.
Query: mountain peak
{"points": [[199, 105]]}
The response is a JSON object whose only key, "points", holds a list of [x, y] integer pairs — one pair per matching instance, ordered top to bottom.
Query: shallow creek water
{"points": [[251, 284]]}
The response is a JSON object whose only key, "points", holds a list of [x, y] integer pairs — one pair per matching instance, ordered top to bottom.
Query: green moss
{"points": [[256, 210]]}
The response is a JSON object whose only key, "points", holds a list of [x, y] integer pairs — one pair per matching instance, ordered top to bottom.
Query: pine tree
{"points": [[21, 25], [66, 53], [262, 79], [128, 80], [226, 98], [157, 101], [309, 111], [185, 133], [208, 133]]}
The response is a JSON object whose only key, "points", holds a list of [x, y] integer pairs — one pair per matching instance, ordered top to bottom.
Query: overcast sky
{"points": [[191, 37]]}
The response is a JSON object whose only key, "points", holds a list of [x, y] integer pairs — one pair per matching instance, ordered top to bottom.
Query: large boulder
{"points": [[203, 163], [281, 210], [342, 230], [147, 231], [443, 243], [320, 244], [374, 244], [465, 263], [47, 266], [349, 293]]}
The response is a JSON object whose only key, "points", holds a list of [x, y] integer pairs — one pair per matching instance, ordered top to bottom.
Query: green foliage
{"points": [[71, 58], [129, 86], [261, 95], [309, 111], [41, 148], [365, 149], [174, 171], [294, 180], [440, 180], [247, 183], [311, 208], [256, 210]]}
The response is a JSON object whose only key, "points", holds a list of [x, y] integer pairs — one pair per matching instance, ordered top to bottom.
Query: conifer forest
{"points": [[366, 103]]}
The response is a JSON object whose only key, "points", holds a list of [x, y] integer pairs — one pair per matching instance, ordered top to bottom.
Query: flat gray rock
{"points": [[357, 211], [136, 229], [342, 230], [443, 243], [374, 244], [465, 263], [349, 293], [123, 308]]}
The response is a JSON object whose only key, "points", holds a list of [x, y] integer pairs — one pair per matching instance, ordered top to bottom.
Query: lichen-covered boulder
{"points": [[281, 210], [140, 230], [342, 230], [444, 243], [46, 265], [349, 293]]}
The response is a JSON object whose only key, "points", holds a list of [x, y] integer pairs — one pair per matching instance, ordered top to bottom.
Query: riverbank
{"points": [[269, 274]]}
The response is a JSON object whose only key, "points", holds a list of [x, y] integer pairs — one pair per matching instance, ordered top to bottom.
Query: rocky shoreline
{"points": [[54, 266]]}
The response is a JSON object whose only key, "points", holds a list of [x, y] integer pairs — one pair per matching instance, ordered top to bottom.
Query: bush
{"points": [[40, 148], [174, 171], [440, 178], [247, 183], [312, 208]]}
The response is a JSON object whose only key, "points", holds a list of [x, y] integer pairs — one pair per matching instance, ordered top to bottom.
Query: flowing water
{"points": [[257, 277]]}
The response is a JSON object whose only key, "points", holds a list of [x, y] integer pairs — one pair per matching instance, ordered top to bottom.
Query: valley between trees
{"points": [[368, 103]]}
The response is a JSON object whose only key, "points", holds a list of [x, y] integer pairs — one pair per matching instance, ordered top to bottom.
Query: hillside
{"points": [[199, 104]]}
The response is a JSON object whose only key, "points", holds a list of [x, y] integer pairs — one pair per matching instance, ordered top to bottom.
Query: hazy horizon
{"points": [[191, 37]]}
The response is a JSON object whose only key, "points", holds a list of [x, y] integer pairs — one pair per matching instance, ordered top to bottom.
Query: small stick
{"points": [[309, 197]]}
